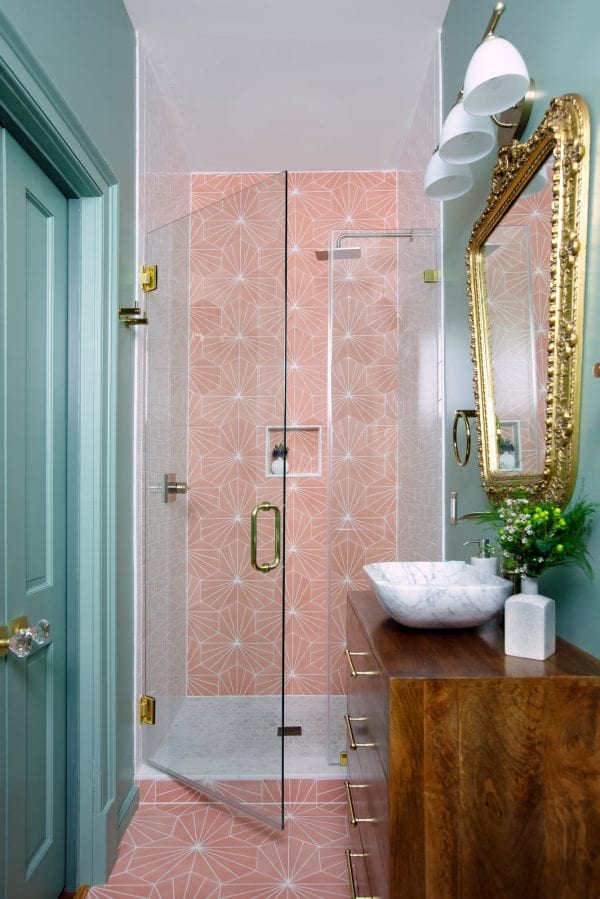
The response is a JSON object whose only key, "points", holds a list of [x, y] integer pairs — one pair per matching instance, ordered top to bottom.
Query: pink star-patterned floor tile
{"points": [[177, 849]]}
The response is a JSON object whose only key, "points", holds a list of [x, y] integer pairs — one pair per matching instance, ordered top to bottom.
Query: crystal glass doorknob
{"points": [[41, 632], [21, 639], [21, 643]]}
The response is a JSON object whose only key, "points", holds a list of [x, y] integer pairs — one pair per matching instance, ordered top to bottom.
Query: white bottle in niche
{"points": [[279, 463], [529, 623]]}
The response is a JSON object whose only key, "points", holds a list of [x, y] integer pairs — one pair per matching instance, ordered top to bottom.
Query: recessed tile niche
{"points": [[304, 450]]}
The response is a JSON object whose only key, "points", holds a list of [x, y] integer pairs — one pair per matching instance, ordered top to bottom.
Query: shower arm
{"points": [[407, 232]]}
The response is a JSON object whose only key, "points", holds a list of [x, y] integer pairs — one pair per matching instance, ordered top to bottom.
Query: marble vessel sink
{"points": [[437, 594]]}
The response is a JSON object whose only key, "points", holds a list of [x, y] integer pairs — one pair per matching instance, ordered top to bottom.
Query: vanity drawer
{"points": [[367, 691], [367, 798], [375, 833], [355, 854]]}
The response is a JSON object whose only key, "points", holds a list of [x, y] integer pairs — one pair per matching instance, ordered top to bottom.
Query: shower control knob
{"points": [[173, 488]]}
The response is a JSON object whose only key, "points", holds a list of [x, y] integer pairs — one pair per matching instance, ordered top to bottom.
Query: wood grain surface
{"points": [[492, 763]]}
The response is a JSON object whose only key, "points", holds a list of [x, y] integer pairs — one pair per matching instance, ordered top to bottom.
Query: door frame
{"points": [[36, 114]]}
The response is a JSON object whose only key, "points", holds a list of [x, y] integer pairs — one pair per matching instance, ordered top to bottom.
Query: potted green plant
{"points": [[533, 537]]}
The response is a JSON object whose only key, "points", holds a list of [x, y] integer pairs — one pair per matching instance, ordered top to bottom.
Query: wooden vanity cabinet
{"points": [[475, 774]]}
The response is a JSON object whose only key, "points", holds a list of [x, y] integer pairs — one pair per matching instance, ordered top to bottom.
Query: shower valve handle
{"points": [[173, 488]]}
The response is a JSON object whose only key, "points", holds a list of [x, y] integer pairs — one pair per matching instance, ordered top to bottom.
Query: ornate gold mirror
{"points": [[525, 275]]}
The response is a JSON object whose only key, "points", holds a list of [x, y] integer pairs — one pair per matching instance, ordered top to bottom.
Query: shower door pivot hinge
{"points": [[431, 275], [149, 278], [132, 315], [147, 714]]}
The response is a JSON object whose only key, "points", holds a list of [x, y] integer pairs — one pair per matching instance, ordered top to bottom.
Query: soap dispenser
{"points": [[485, 560]]}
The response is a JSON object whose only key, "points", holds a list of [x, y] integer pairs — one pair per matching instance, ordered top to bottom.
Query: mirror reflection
{"points": [[516, 257]]}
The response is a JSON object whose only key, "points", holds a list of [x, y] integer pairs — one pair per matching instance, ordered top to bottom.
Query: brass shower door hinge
{"points": [[431, 275], [149, 278], [132, 315], [147, 713]]}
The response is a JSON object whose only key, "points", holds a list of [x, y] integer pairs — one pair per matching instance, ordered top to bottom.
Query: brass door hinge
{"points": [[431, 275], [149, 278], [147, 714]]}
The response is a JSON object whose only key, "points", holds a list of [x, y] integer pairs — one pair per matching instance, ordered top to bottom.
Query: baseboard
{"points": [[127, 811]]}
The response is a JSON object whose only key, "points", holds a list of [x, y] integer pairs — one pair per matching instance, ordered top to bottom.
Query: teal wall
{"points": [[559, 42], [87, 49]]}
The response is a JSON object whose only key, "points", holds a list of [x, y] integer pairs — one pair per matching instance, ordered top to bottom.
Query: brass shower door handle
{"points": [[265, 566]]}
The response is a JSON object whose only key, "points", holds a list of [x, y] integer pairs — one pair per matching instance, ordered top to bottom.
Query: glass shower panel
{"points": [[215, 411], [384, 428]]}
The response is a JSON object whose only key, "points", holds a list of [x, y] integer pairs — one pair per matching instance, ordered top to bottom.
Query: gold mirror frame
{"points": [[563, 132]]}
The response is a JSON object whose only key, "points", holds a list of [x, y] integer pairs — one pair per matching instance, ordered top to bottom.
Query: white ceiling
{"points": [[266, 85]]}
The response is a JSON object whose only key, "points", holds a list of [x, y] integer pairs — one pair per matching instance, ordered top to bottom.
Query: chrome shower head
{"points": [[339, 253]]}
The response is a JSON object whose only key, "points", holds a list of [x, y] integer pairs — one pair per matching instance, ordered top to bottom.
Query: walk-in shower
{"points": [[215, 658]]}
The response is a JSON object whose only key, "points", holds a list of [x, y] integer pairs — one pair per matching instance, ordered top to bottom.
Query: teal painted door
{"points": [[33, 398]]}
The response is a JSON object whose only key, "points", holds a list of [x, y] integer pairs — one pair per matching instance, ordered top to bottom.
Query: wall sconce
{"points": [[497, 76], [496, 81], [464, 137], [445, 181]]}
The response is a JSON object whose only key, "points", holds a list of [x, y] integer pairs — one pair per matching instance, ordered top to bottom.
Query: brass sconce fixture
{"points": [[496, 81]]}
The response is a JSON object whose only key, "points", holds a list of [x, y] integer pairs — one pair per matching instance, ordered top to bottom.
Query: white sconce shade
{"points": [[496, 78], [466, 138], [445, 181]]}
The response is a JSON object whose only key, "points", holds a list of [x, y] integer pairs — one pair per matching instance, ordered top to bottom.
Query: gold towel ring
{"points": [[463, 414]]}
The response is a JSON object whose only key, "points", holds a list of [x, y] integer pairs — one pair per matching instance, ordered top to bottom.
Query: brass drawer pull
{"points": [[353, 671], [351, 739], [354, 821], [349, 856]]}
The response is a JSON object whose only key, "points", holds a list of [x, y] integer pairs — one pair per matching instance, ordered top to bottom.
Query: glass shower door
{"points": [[215, 410]]}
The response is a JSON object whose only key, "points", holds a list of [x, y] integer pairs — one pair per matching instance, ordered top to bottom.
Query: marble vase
{"points": [[529, 623]]}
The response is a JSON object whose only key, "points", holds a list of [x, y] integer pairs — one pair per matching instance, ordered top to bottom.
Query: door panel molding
{"points": [[36, 114], [34, 405]]}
